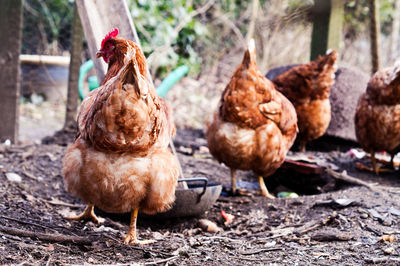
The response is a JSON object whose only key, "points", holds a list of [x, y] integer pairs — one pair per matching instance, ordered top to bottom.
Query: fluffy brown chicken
{"points": [[307, 86], [377, 118], [254, 125], [120, 160]]}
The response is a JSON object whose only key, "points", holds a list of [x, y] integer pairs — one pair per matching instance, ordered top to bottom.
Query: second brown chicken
{"points": [[254, 125]]}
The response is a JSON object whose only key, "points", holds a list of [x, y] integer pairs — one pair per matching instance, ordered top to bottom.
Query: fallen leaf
{"points": [[13, 177], [209, 226], [389, 238]]}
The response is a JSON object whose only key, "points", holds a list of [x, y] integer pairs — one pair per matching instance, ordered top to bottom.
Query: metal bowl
{"points": [[193, 201]]}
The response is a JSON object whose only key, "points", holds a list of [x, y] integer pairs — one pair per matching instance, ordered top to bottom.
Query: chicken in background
{"points": [[307, 86], [377, 118], [254, 125], [120, 160]]}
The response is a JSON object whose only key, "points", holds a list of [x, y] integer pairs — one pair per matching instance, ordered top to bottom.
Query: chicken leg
{"points": [[302, 146], [392, 161], [375, 167], [233, 182], [263, 187], [87, 214], [131, 236]]}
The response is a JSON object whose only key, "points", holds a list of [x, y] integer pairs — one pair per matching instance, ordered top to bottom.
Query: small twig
{"points": [[230, 24], [31, 176], [349, 179], [60, 203], [24, 222], [312, 225], [296, 229], [331, 236], [46, 237], [221, 238], [261, 250], [250, 259], [48, 261], [162, 261]]}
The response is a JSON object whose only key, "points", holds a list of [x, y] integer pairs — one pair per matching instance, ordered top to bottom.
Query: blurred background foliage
{"points": [[47, 26], [199, 33]]}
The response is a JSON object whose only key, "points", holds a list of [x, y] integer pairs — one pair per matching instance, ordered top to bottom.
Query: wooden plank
{"points": [[98, 18], [327, 26], [94, 32], [11, 35], [44, 59], [73, 76], [302, 167]]}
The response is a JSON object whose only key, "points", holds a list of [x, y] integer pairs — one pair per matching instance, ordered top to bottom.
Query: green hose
{"points": [[171, 79], [93, 82]]}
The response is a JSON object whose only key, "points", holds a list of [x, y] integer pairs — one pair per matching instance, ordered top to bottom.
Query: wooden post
{"points": [[98, 18], [327, 26], [396, 30], [375, 31], [10, 36], [74, 66]]}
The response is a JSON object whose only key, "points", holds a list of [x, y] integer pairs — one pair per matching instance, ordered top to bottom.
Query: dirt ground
{"points": [[331, 222]]}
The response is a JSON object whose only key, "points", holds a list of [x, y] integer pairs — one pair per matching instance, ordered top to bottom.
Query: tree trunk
{"points": [[327, 26], [374, 34], [10, 35], [394, 40], [74, 66]]}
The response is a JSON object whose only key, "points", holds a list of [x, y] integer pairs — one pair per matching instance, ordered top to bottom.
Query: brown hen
{"points": [[307, 86], [377, 118], [254, 126], [120, 160]]}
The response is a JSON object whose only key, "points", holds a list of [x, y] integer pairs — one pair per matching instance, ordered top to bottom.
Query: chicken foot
{"points": [[375, 167], [235, 190], [264, 190], [87, 214], [131, 236]]}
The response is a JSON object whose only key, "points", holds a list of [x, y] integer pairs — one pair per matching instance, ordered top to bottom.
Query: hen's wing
{"points": [[309, 81], [384, 86], [250, 99], [124, 115], [377, 118]]}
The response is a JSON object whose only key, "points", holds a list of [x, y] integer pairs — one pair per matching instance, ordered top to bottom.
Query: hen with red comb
{"points": [[112, 34]]}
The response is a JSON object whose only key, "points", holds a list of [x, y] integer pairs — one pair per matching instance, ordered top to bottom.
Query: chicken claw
{"points": [[264, 190], [88, 214], [130, 238]]}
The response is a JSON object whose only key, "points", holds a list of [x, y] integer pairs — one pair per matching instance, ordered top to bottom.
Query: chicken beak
{"points": [[99, 54]]}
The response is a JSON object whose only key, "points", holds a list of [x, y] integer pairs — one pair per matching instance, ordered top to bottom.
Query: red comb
{"points": [[113, 33]]}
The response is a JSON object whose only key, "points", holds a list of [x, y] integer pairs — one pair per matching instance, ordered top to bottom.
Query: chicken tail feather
{"points": [[250, 54]]}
